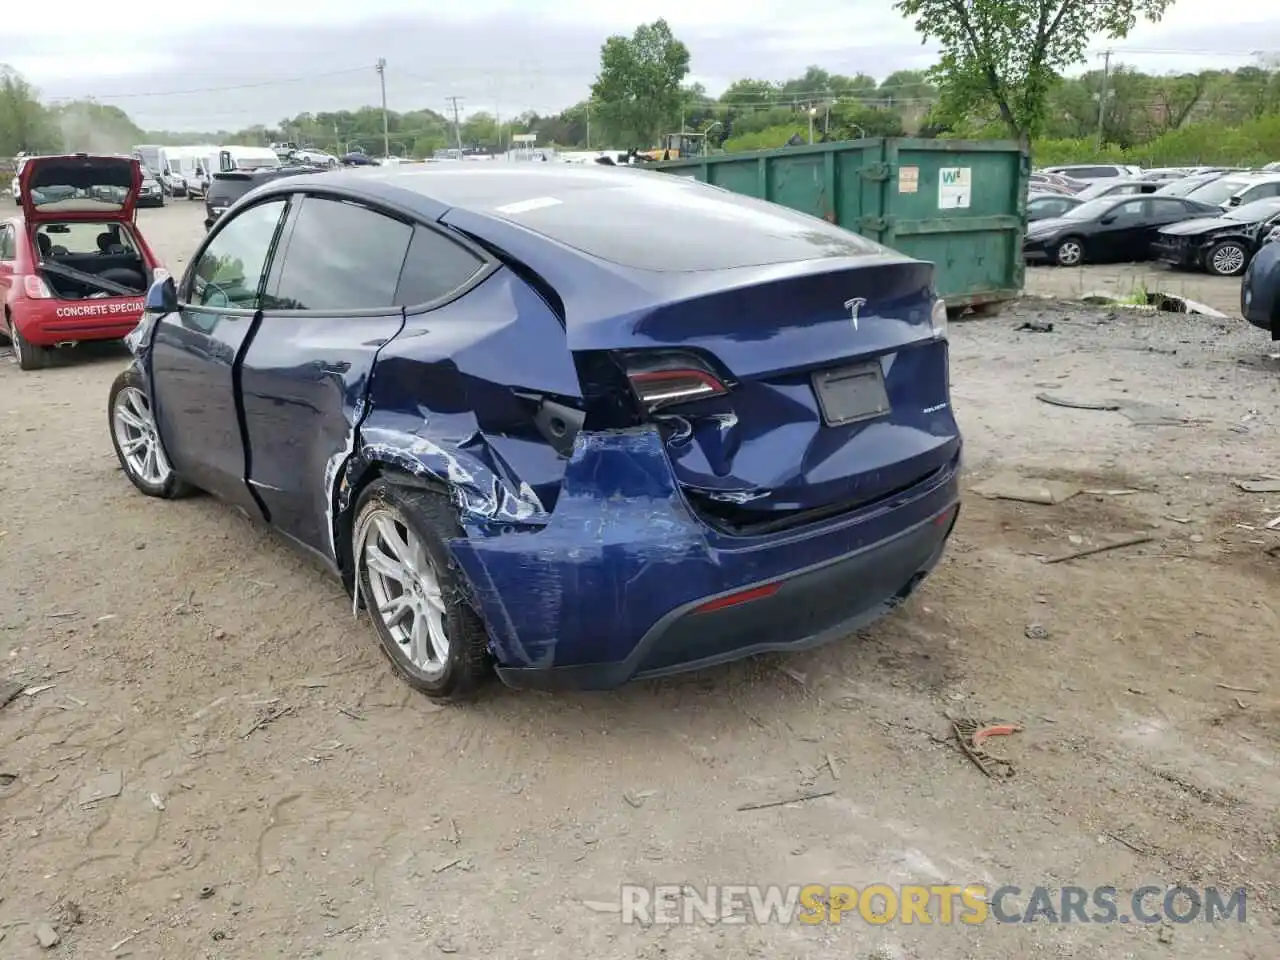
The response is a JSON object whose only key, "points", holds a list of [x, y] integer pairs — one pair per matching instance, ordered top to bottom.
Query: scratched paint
{"points": [[333, 472]]}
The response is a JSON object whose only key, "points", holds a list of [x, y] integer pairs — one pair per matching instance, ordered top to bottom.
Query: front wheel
{"points": [[1070, 252], [1228, 258], [136, 440], [413, 593]]}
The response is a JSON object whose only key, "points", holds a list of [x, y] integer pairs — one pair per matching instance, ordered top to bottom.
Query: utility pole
{"points": [[382, 78], [1102, 98], [457, 124], [588, 124]]}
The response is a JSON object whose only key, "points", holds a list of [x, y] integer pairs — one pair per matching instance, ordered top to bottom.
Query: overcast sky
{"points": [[290, 56]]}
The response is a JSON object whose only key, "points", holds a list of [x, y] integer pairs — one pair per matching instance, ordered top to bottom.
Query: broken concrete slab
{"points": [[1153, 301], [1151, 415], [1260, 485], [1026, 489], [103, 787], [47, 937]]}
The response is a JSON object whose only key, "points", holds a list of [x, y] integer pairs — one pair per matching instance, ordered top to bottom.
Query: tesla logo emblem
{"points": [[853, 306]]}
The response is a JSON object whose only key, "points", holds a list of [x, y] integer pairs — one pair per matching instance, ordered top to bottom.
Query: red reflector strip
{"points": [[942, 519], [742, 596]]}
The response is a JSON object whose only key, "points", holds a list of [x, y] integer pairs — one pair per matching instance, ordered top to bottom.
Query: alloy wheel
{"points": [[1070, 253], [1228, 260], [135, 428], [406, 591]]}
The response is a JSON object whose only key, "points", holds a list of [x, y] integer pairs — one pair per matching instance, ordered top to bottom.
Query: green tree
{"points": [[1009, 53], [637, 95], [850, 120], [25, 124]]}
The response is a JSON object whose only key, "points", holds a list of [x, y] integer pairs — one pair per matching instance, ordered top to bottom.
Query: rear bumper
{"points": [[45, 323], [625, 582], [807, 609]]}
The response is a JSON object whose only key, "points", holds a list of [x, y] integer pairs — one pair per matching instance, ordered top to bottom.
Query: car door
{"points": [[1119, 231], [8, 253], [195, 349], [304, 378]]}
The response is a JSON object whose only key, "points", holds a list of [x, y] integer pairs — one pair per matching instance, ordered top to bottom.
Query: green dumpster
{"points": [[960, 204]]}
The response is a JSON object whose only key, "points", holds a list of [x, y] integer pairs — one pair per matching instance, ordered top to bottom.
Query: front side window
{"points": [[6, 243], [341, 256], [229, 272]]}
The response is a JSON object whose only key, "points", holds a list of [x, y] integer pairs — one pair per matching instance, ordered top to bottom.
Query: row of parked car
{"points": [[1199, 218]]}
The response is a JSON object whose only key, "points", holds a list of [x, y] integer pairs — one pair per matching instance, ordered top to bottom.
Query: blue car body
{"points": [[1260, 290], [603, 540]]}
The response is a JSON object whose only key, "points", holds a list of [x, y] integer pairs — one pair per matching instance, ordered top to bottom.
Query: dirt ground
{"points": [[280, 794]]}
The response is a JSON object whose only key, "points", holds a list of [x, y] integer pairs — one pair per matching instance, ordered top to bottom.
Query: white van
{"points": [[234, 157], [181, 169]]}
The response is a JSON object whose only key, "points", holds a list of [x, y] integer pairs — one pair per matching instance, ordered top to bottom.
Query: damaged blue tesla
{"points": [[576, 424]]}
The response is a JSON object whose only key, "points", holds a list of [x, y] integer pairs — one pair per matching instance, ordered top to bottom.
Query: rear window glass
{"points": [[1216, 191], [79, 199], [661, 222], [71, 239], [341, 256]]}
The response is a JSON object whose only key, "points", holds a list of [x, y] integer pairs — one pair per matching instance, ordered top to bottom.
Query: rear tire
{"points": [[1228, 258], [28, 355], [134, 436], [413, 591]]}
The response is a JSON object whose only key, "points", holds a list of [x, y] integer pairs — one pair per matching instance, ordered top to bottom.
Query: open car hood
{"points": [[80, 187]]}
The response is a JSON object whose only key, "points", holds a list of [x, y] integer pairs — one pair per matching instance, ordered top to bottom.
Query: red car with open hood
{"points": [[73, 266]]}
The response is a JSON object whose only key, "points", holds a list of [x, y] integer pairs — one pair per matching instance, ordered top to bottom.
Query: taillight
{"points": [[35, 288], [938, 319], [676, 384]]}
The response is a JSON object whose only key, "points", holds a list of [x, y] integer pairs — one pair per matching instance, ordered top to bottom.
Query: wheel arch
{"points": [[362, 470]]}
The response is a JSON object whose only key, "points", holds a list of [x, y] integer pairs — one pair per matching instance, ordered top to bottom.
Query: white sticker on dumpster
{"points": [[908, 179], [953, 188]]}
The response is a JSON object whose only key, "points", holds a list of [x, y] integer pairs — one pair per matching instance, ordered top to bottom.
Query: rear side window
{"points": [[1260, 192], [1162, 207], [6, 242], [341, 256], [434, 268]]}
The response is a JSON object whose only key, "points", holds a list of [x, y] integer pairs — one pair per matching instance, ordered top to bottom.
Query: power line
{"points": [[240, 86]]}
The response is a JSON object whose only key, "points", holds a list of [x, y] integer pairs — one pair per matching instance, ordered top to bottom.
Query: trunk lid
{"points": [[80, 187], [837, 395]]}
